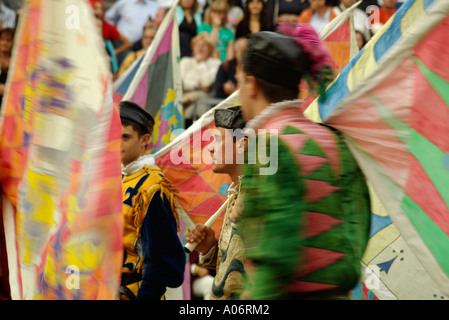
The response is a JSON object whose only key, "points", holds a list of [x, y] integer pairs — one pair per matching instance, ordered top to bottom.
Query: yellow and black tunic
{"points": [[154, 257]]}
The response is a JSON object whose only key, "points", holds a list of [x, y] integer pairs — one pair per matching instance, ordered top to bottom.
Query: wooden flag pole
{"points": [[189, 247]]}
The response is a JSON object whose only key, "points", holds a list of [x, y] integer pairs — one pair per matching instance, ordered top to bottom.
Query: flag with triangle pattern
{"points": [[391, 104]]}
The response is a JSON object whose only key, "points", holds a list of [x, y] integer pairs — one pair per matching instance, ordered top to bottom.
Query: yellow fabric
{"points": [[128, 61], [135, 214]]}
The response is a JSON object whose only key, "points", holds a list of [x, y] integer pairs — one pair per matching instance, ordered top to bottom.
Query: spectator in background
{"points": [[367, 3], [15, 5], [387, 10], [284, 11], [235, 14], [160, 15], [318, 15], [7, 16], [379, 16], [130, 17], [360, 18], [189, 19], [255, 19], [151, 23], [215, 26], [110, 32], [360, 38], [147, 39], [6, 43], [109, 47], [198, 74], [225, 82]]}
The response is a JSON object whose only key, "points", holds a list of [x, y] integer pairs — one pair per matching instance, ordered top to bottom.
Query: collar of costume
{"points": [[269, 111], [133, 167], [234, 188]]}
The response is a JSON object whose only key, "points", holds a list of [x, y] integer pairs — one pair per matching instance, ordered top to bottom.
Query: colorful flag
{"points": [[339, 36], [153, 81], [391, 102], [60, 158], [187, 163]]}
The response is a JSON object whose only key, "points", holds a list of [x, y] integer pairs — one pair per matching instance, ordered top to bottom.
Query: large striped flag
{"points": [[154, 82], [391, 103], [60, 158]]}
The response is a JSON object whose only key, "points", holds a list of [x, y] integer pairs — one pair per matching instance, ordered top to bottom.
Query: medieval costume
{"points": [[306, 221], [153, 255], [227, 256]]}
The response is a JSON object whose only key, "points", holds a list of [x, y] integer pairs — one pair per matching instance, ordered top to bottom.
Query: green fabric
{"points": [[224, 36], [273, 219]]}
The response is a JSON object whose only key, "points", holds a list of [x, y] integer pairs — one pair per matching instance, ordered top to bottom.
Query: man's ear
{"points": [[252, 86], [145, 139], [242, 145]]}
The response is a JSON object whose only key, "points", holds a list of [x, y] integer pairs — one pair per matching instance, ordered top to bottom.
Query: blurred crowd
{"points": [[212, 33]]}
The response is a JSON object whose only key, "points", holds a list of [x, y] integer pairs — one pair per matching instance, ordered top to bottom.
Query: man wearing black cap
{"points": [[306, 226], [226, 255], [154, 257]]}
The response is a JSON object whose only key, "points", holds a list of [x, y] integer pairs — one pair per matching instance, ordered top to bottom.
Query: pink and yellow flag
{"points": [[154, 82], [60, 158]]}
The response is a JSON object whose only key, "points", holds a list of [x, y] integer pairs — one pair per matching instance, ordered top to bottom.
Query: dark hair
{"points": [[195, 6], [263, 19], [10, 31], [275, 93], [138, 128]]}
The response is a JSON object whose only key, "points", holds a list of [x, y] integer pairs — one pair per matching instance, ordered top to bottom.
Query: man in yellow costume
{"points": [[154, 258]]}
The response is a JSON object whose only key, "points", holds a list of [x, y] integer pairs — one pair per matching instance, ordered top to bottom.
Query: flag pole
{"points": [[189, 247]]}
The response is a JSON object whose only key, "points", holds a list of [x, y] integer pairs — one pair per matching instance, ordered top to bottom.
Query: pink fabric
{"points": [[309, 40], [293, 117]]}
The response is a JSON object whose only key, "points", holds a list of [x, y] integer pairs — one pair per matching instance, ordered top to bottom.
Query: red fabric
{"points": [[93, 2], [385, 15], [110, 32]]}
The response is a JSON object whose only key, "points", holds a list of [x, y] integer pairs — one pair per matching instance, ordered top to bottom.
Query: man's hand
{"points": [[205, 237]]}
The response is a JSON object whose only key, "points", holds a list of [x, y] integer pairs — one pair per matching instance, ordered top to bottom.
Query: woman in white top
{"points": [[198, 75]]}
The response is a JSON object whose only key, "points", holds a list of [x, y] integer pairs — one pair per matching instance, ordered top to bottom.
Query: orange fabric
{"points": [[306, 15], [385, 15]]}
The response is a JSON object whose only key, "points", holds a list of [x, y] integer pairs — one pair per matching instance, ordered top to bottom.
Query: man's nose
{"points": [[210, 148]]}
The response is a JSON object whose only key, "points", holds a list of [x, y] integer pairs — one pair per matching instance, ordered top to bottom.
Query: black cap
{"points": [[275, 58], [133, 112], [229, 118]]}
